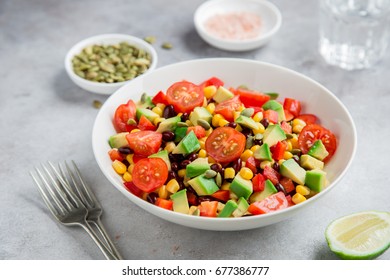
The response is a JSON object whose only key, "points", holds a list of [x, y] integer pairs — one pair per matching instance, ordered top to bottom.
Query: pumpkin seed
{"points": [[150, 39], [167, 46], [97, 104], [247, 112], [204, 124], [210, 174], [218, 179]]}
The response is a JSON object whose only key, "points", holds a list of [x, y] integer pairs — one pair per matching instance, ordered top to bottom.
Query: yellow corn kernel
{"points": [[209, 91], [204, 102], [161, 106], [211, 107], [241, 108], [157, 110], [179, 114], [236, 115], [258, 117], [157, 120], [215, 120], [222, 122], [189, 123], [297, 125], [239, 128], [260, 129], [135, 130], [209, 131], [294, 141], [202, 142], [170, 146], [289, 146], [254, 148], [202, 153], [246, 154], [287, 155], [129, 158], [210, 159], [280, 161], [265, 163], [119, 167], [130, 168], [181, 173], [229, 173], [246, 173], [127, 177], [173, 186], [225, 186], [303, 190], [162, 192], [145, 196], [298, 198]]}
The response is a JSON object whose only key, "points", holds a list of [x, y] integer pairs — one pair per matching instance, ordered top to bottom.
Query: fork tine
{"points": [[91, 197], [84, 199]]}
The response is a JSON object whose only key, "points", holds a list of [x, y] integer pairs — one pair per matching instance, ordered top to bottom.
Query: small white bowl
{"points": [[271, 20], [105, 39]]}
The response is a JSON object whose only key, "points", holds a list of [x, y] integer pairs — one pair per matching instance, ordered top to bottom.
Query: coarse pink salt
{"points": [[234, 25]]}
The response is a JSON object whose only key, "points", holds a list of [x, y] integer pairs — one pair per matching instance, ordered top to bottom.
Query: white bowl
{"points": [[268, 13], [105, 39], [234, 72]]}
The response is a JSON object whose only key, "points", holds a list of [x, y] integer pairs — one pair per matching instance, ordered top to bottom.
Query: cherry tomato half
{"points": [[184, 96], [251, 97], [227, 108], [123, 113], [308, 118], [313, 132], [144, 142], [225, 144], [150, 174], [272, 203]]}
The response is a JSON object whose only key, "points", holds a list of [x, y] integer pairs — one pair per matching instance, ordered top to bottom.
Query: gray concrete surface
{"points": [[44, 116]]}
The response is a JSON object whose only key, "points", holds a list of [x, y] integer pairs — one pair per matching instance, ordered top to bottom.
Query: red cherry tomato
{"points": [[213, 81], [184, 96], [251, 97], [160, 98], [293, 106], [227, 108], [122, 114], [308, 118], [145, 124], [199, 131], [313, 132], [144, 142], [225, 144], [150, 174], [271, 174], [223, 195], [164, 203], [272, 203], [208, 208]]}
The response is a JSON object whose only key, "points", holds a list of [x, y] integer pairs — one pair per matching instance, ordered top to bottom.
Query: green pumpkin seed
{"points": [[150, 39], [167, 46], [97, 104], [247, 112], [204, 124], [210, 174]]}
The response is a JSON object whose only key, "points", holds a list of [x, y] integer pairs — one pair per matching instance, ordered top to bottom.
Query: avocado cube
{"points": [[222, 94], [276, 106], [200, 113], [149, 114], [246, 122], [169, 124], [180, 132], [273, 134], [118, 140], [187, 145], [318, 150], [263, 153], [309, 162], [197, 167], [291, 169], [315, 180], [203, 186], [241, 187], [269, 189], [180, 202], [242, 207], [228, 209]]}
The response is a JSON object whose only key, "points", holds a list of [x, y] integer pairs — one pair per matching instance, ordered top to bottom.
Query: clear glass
{"points": [[354, 34]]}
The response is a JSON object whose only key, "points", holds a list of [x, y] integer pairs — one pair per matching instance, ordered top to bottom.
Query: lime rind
{"points": [[368, 231]]}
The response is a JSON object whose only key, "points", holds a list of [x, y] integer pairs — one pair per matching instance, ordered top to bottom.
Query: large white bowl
{"points": [[105, 39], [256, 75]]}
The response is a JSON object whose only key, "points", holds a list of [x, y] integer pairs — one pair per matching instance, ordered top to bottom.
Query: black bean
{"points": [[169, 112], [184, 117], [265, 122], [232, 125], [247, 132], [168, 136], [258, 142], [125, 150], [192, 156], [176, 157], [296, 158], [184, 163], [237, 165], [174, 166], [276, 166], [216, 167], [172, 175], [280, 188], [152, 197], [205, 198]]}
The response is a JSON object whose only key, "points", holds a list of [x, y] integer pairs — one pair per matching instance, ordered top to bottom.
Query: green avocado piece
{"points": [[222, 94], [145, 102], [276, 106], [200, 113], [149, 114], [247, 122], [168, 124], [180, 132], [273, 134], [118, 140], [187, 145], [318, 150], [263, 152], [164, 156], [309, 162], [197, 167], [291, 169], [315, 180], [203, 186], [241, 187], [269, 189], [180, 202], [242, 207], [228, 209]]}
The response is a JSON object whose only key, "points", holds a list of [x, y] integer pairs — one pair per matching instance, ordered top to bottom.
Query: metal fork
{"points": [[87, 197], [65, 206]]}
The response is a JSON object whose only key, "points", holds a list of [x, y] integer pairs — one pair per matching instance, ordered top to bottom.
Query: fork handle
{"points": [[99, 225], [107, 253]]}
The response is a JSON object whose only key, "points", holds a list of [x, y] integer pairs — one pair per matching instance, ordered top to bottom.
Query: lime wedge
{"points": [[363, 235]]}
